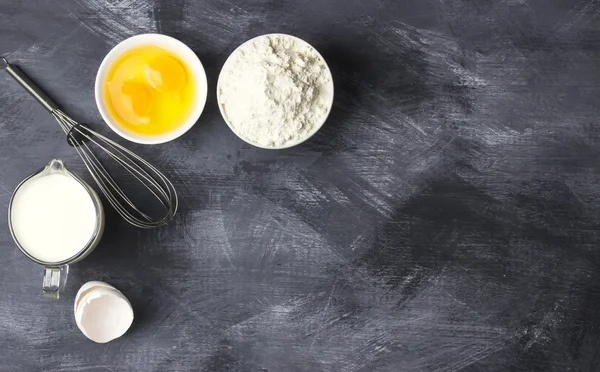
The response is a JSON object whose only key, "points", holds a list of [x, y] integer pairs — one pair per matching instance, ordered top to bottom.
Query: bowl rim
{"points": [[193, 63], [316, 128]]}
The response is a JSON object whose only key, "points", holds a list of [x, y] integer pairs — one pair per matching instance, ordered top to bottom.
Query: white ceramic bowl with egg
{"points": [[187, 56], [326, 93]]}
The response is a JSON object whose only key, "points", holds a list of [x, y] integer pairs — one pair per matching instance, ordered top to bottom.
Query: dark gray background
{"points": [[444, 219]]}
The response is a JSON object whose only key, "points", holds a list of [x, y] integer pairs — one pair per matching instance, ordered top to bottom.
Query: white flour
{"points": [[270, 91]]}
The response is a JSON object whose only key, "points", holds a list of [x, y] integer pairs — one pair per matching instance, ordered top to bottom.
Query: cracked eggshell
{"points": [[86, 288], [102, 312]]}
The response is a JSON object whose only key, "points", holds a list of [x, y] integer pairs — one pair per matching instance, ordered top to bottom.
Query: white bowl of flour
{"points": [[275, 91]]}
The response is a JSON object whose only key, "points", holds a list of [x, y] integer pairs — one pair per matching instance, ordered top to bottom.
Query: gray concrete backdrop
{"points": [[444, 219]]}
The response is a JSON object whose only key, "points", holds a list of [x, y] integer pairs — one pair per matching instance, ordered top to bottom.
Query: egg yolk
{"points": [[165, 74], [149, 90], [133, 104]]}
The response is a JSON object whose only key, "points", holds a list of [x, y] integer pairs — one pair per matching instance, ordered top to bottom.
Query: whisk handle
{"points": [[29, 85]]}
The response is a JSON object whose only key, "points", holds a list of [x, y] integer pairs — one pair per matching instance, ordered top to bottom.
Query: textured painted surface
{"points": [[444, 219]]}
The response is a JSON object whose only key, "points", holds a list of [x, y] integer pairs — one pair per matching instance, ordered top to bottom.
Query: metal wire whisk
{"points": [[80, 137]]}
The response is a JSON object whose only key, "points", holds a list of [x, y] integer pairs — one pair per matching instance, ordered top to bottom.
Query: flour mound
{"points": [[270, 91]]}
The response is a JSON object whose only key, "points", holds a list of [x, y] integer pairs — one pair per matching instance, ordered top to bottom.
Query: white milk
{"points": [[53, 217]]}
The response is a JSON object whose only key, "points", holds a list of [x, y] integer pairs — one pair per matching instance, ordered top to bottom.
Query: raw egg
{"points": [[149, 90]]}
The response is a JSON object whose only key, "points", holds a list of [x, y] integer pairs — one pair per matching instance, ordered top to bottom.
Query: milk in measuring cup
{"points": [[53, 217]]}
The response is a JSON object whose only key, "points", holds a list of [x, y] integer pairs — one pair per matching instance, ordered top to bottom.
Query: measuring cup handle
{"points": [[54, 281]]}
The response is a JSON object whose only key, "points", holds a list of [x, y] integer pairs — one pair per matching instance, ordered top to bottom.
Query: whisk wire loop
{"points": [[144, 172]]}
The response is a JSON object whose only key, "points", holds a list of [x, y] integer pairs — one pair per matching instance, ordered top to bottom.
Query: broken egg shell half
{"points": [[86, 288], [102, 312]]}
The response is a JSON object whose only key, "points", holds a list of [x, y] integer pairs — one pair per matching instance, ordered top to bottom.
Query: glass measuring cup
{"points": [[56, 273]]}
